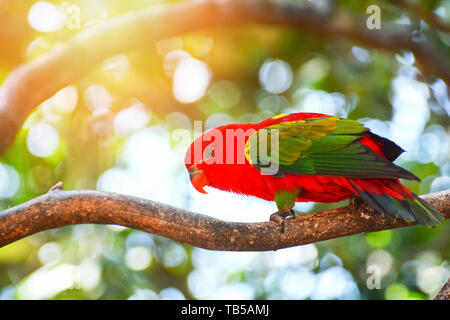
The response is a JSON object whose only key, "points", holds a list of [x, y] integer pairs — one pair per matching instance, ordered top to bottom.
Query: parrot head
{"points": [[197, 155], [215, 155]]}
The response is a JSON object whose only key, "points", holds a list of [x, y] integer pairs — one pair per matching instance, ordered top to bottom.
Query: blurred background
{"points": [[125, 126]]}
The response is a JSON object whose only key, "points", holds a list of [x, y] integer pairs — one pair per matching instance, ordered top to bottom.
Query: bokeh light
{"points": [[44, 16], [164, 46], [37, 47], [362, 55], [172, 59], [117, 67], [313, 70], [275, 76], [190, 80], [225, 93], [97, 97], [65, 100], [320, 101], [410, 109], [131, 119], [217, 120], [42, 140], [117, 180], [9, 181], [440, 184], [50, 253], [174, 256], [305, 256], [138, 258], [381, 259], [89, 273], [431, 279], [45, 282], [202, 283], [335, 283], [298, 284], [234, 291], [396, 291], [171, 293], [144, 294]]}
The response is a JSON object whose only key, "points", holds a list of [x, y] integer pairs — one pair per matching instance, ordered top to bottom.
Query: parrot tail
{"points": [[390, 196]]}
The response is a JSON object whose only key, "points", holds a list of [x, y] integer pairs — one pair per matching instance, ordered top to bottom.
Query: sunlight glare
{"points": [[46, 17], [172, 59], [117, 67], [190, 81], [97, 97], [65, 100], [131, 119], [42, 140], [9, 181], [50, 252], [138, 258], [89, 274], [47, 282], [298, 284], [171, 293]]}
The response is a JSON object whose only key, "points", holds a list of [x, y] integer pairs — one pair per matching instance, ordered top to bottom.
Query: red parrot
{"points": [[304, 157]]}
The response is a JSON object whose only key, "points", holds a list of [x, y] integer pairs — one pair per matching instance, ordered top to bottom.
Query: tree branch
{"points": [[422, 13], [30, 84], [59, 208], [444, 293]]}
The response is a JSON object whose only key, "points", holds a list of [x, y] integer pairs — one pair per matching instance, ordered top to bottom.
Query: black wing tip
{"points": [[391, 150], [400, 173], [408, 175], [409, 209]]}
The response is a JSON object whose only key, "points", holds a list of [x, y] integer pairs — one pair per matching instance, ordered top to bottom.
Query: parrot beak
{"points": [[198, 178]]}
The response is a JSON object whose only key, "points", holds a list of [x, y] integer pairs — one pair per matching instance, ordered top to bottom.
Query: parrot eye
{"points": [[209, 153]]}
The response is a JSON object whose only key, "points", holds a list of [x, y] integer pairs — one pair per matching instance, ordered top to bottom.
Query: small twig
{"points": [[57, 187], [62, 208]]}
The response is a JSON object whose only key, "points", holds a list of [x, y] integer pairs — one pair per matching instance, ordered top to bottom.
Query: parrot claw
{"points": [[355, 202], [280, 216], [279, 219]]}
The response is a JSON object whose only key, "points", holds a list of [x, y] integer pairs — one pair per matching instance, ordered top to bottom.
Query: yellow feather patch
{"points": [[279, 116], [247, 156]]}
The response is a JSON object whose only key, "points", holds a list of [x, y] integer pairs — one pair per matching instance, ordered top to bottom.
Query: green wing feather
{"points": [[326, 146]]}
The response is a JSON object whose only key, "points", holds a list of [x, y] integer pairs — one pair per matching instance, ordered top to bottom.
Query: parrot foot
{"points": [[355, 202], [293, 213], [280, 216]]}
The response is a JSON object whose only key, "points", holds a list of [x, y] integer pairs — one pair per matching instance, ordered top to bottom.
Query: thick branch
{"points": [[31, 84], [60, 208]]}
